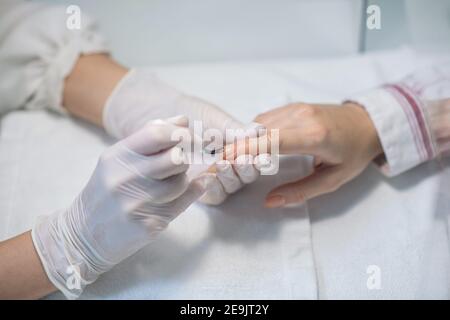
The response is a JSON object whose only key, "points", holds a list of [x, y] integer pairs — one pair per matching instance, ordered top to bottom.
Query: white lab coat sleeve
{"points": [[37, 51], [412, 118]]}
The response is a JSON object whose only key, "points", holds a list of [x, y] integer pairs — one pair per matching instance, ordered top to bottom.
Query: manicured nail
{"points": [[275, 201]]}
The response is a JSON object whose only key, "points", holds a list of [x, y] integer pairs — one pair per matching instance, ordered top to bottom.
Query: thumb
{"points": [[155, 137], [284, 141], [320, 182]]}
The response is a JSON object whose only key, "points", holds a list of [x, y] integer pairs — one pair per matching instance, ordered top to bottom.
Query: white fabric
{"points": [[35, 57], [240, 249]]}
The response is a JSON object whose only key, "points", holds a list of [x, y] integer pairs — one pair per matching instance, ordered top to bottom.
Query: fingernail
{"points": [[275, 201]]}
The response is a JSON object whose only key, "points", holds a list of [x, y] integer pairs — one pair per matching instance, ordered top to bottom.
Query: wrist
{"points": [[88, 86], [372, 141], [51, 249], [65, 253]]}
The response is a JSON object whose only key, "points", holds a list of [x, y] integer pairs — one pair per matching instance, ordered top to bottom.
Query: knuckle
{"points": [[306, 110], [302, 111], [319, 133]]}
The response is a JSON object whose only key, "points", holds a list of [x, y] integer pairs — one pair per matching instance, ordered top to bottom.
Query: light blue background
{"points": [[173, 31]]}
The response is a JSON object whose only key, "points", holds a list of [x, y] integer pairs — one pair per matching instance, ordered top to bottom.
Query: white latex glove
{"points": [[140, 96], [232, 177], [135, 191]]}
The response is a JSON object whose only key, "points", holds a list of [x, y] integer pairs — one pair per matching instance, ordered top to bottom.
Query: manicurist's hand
{"points": [[341, 138], [138, 187]]}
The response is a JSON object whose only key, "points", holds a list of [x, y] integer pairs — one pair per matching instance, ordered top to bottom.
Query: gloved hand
{"points": [[140, 96], [230, 177], [138, 187]]}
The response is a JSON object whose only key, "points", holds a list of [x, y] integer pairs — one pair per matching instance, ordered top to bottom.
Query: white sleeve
{"points": [[37, 51], [412, 118]]}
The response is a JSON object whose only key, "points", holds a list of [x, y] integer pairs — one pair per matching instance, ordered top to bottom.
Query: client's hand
{"points": [[341, 138]]}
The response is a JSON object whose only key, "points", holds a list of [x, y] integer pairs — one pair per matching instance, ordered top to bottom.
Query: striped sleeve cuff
{"points": [[399, 118]]}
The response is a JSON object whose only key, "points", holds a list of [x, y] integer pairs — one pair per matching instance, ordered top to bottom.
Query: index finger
{"points": [[283, 141]]}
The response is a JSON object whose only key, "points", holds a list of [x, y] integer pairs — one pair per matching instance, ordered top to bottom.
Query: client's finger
{"points": [[285, 141], [252, 146], [316, 184]]}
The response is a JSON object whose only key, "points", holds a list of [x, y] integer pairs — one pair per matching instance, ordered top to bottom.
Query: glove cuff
{"points": [[67, 258], [62, 274]]}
